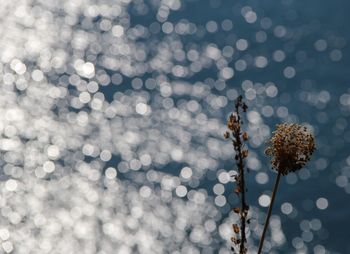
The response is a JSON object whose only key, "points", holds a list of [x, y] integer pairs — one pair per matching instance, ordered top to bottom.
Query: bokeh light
{"points": [[112, 115]]}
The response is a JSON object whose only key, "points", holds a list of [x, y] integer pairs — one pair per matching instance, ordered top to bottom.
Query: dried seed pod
{"points": [[245, 136], [290, 148], [235, 228], [237, 241]]}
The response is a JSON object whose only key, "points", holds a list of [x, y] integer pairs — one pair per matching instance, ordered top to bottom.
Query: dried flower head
{"points": [[290, 147]]}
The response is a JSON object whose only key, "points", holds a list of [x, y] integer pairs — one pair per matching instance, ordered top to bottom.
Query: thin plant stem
{"points": [[242, 187], [243, 207], [269, 212]]}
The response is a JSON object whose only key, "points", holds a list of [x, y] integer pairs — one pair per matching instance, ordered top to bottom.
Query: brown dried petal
{"points": [[226, 135], [245, 136], [236, 209], [235, 228]]}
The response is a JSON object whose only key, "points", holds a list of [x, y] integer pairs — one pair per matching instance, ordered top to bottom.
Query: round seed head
{"points": [[290, 147]]}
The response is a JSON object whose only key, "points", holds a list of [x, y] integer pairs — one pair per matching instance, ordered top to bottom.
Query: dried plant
{"points": [[238, 137], [290, 148]]}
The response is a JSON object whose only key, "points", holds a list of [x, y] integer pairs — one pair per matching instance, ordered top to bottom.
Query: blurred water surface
{"points": [[112, 115]]}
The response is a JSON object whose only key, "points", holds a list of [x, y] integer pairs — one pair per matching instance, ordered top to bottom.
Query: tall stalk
{"points": [[234, 125], [269, 212]]}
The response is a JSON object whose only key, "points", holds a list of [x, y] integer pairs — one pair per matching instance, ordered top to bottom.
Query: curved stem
{"points": [[269, 212]]}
